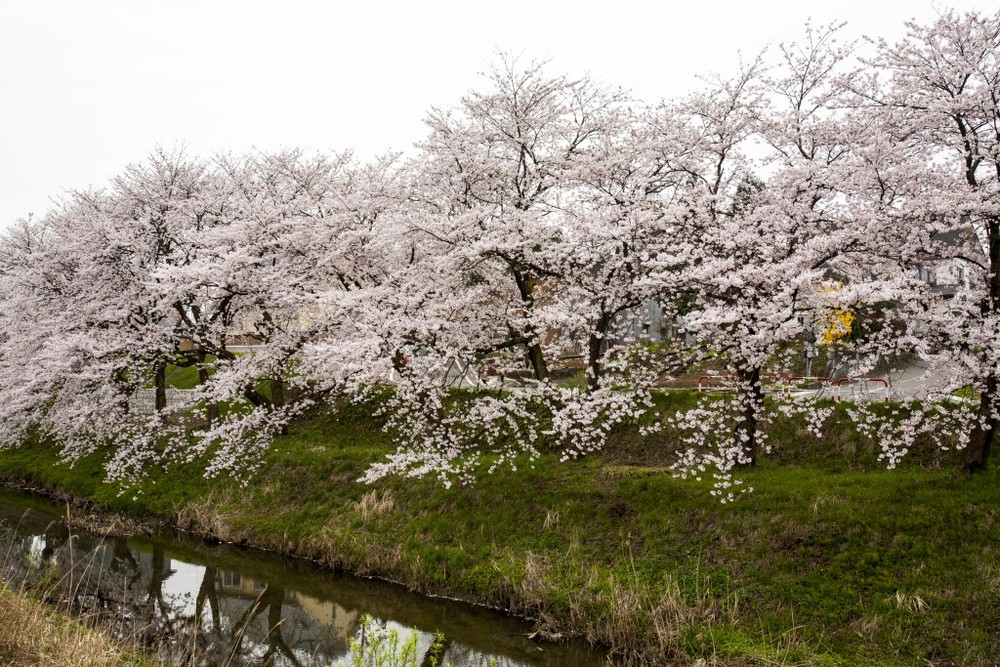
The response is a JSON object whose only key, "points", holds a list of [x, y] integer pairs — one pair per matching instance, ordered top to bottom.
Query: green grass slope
{"points": [[831, 561]]}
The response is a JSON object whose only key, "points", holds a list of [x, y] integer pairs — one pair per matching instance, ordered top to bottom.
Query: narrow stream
{"points": [[181, 598]]}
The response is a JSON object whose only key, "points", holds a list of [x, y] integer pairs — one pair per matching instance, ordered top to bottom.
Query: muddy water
{"points": [[193, 603]]}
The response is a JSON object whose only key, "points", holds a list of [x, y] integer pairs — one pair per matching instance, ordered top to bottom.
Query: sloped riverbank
{"points": [[830, 561], [183, 601]]}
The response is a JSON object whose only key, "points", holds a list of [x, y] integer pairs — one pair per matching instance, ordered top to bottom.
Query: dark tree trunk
{"points": [[595, 347], [533, 349], [537, 360], [399, 361], [160, 382], [122, 383], [277, 392], [751, 397], [278, 398], [212, 408], [977, 452], [123, 560], [156, 577], [207, 593], [236, 644]]}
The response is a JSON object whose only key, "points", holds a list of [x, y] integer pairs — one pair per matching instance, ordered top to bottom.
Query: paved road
{"points": [[921, 377], [907, 379]]}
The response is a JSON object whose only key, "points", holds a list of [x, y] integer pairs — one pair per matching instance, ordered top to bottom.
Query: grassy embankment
{"points": [[831, 561]]}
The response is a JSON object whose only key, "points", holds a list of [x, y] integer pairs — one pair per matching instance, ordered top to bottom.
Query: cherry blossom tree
{"points": [[496, 169], [927, 185], [537, 217], [628, 240], [764, 244], [304, 265], [99, 333]]}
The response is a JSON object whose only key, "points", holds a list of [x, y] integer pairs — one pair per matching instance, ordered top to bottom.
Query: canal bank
{"points": [[829, 561], [188, 602]]}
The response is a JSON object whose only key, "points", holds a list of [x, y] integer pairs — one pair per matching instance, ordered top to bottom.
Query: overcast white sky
{"points": [[87, 87]]}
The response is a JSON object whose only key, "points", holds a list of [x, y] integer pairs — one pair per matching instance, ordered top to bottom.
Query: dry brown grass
{"points": [[374, 505], [206, 517], [911, 602], [641, 620], [33, 635]]}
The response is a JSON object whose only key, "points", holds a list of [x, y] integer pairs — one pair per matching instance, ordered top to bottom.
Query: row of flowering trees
{"points": [[535, 219]]}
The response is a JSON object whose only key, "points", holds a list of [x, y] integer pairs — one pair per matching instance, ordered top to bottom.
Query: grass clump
{"points": [[34, 634]]}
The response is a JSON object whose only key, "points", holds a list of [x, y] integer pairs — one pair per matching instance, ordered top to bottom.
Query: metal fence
{"points": [[143, 402]]}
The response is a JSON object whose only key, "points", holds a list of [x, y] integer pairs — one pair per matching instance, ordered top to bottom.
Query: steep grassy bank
{"points": [[830, 561]]}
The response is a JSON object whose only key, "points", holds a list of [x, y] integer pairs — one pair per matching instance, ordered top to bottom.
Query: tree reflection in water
{"points": [[201, 614], [223, 619]]}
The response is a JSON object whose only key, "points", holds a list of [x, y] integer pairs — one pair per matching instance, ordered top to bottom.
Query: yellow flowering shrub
{"points": [[837, 322], [837, 325]]}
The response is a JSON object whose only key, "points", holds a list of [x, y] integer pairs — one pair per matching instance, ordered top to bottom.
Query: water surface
{"points": [[180, 597]]}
